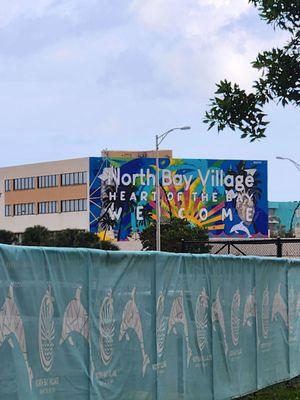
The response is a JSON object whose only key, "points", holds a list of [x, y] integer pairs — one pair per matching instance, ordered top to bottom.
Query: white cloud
{"points": [[13, 9], [211, 15], [188, 16], [200, 42], [183, 46], [200, 54], [78, 59]]}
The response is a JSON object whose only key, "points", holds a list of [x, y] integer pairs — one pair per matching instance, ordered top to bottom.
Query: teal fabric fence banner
{"points": [[86, 324]]}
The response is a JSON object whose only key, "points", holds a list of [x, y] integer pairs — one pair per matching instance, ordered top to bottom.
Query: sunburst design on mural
{"points": [[190, 201]]}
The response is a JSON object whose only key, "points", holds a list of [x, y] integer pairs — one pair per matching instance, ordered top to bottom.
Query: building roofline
{"points": [[43, 163]]}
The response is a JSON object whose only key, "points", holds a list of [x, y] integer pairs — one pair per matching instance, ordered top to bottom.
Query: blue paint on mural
{"points": [[227, 197]]}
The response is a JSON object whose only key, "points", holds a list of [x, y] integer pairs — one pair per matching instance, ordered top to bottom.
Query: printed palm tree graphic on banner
{"points": [[250, 309], [265, 313], [235, 317], [201, 318], [161, 325], [106, 328], [46, 331]]}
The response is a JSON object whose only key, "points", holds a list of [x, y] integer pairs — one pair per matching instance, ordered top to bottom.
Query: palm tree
{"points": [[106, 223]]}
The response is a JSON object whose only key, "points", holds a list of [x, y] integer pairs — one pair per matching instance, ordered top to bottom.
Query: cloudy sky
{"points": [[80, 76]]}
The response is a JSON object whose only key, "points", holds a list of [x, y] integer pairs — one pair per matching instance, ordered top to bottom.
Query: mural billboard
{"points": [[227, 197]]}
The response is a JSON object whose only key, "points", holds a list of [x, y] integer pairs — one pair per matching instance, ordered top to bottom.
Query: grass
{"points": [[284, 391]]}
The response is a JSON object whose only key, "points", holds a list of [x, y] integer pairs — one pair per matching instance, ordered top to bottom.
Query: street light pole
{"points": [[158, 140], [297, 165], [157, 194]]}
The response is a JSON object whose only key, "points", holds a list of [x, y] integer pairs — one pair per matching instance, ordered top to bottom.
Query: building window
{"points": [[73, 178], [47, 181], [24, 183], [7, 185], [73, 205], [47, 207], [24, 209], [8, 210]]}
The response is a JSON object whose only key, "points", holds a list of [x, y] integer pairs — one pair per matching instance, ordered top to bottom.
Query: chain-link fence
{"points": [[286, 247]]}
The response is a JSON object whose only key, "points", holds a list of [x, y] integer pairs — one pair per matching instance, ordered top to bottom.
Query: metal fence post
{"points": [[182, 246], [279, 247]]}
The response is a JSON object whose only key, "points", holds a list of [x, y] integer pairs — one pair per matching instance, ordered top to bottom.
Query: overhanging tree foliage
{"points": [[236, 109], [173, 231]]}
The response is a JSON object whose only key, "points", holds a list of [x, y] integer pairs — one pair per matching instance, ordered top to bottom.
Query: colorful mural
{"points": [[227, 197]]}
